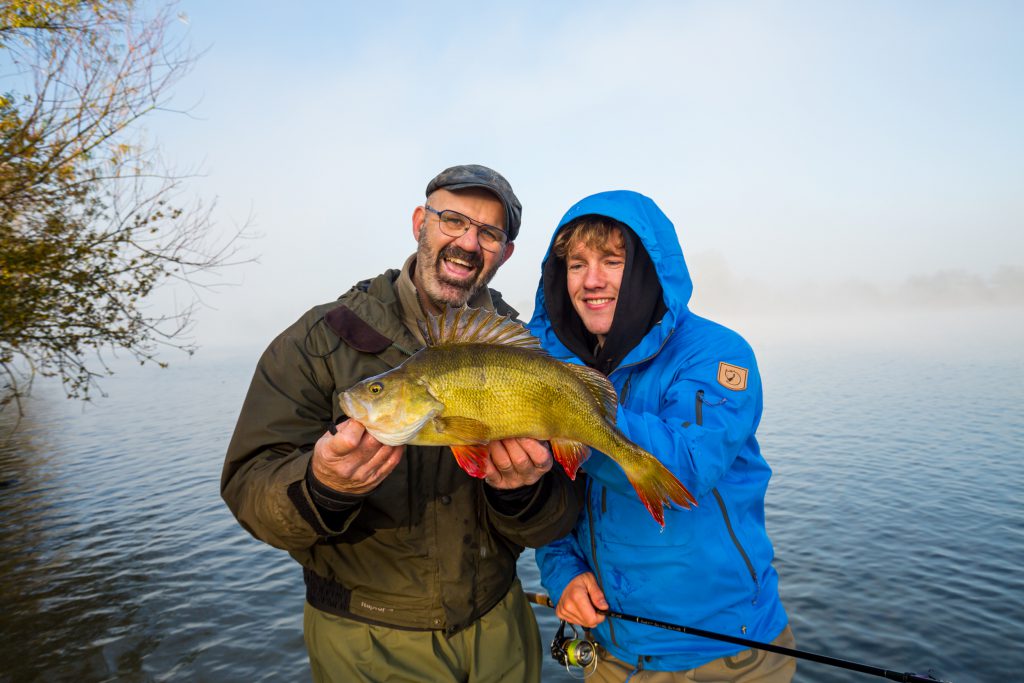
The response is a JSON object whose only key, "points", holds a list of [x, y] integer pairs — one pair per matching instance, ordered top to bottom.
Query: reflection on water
{"points": [[896, 509], [119, 560]]}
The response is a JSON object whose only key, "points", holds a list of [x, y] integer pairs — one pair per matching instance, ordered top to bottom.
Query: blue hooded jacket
{"points": [[689, 393]]}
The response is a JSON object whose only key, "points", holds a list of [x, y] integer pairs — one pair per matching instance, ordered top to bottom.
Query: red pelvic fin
{"points": [[570, 454], [471, 458]]}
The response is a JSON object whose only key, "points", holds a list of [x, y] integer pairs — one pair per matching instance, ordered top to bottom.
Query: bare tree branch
{"points": [[92, 222]]}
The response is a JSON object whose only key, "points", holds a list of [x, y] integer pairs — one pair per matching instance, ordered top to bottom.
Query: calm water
{"points": [[897, 511]]}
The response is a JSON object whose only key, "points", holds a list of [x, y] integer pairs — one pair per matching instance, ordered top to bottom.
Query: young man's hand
{"points": [[580, 601]]}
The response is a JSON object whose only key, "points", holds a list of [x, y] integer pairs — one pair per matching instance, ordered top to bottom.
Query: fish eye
{"points": [[375, 388]]}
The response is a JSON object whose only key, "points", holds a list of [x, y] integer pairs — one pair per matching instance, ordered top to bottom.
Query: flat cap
{"points": [[473, 175]]}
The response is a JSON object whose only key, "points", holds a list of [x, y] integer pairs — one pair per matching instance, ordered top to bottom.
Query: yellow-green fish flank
{"points": [[483, 377]]}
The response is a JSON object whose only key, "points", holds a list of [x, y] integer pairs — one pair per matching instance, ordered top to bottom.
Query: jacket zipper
{"points": [[625, 390], [699, 416], [739, 546]]}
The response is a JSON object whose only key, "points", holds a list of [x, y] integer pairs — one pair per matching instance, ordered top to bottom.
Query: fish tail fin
{"points": [[570, 455], [471, 458], [658, 487]]}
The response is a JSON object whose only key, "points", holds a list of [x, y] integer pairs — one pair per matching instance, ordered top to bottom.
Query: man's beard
{"points": [[442, 290]]}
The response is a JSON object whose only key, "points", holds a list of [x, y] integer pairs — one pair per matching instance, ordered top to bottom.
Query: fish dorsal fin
{"points": [[467, 325], [599, 387]]}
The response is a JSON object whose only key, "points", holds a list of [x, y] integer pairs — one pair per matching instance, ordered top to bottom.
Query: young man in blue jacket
{"points": [[613, 295]]}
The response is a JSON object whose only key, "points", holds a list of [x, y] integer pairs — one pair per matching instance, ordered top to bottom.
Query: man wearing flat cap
{"points": [[409, 562]]}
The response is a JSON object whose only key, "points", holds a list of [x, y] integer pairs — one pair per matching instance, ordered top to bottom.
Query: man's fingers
{"points": [[346, 436], [352, 438], [538, 452], [520, 455], [500, 456], [517, 457], [352, 459], [516, 462], [381, 464], [594, 593], [580, 601], [577, 610]]}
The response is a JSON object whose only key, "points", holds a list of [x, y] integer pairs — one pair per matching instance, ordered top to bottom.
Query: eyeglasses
{"points": [[455, 224]]}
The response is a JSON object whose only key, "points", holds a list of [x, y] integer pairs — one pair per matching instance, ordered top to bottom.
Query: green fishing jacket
{"points": [[431, 547]]}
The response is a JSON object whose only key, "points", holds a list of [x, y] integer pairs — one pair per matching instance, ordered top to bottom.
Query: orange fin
{"points": [[570, 454], [471, 459], [658, 487], [657, 493]]}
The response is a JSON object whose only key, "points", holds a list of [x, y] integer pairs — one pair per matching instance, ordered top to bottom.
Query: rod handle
{"points": [[539, 599]]}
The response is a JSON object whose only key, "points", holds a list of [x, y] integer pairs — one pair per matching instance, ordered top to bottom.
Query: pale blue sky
{"points": [[822, 154]]}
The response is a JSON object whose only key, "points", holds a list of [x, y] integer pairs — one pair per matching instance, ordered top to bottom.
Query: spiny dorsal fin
{"points": [[475, 326], [599, 387]]}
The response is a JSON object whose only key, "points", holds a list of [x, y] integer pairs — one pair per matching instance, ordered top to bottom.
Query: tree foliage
{"points": [[90, 220]]}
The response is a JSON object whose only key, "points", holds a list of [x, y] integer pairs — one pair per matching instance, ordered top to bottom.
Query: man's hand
{"points": [[352, 460], [514, 463], [579, 600]]}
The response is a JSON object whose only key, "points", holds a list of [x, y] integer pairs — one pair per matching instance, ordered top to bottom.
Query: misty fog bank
{"points": [[717, 287], [949, 311]]}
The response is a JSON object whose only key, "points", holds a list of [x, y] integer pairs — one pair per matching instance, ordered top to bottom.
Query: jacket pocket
{"points": [[736, 542]]}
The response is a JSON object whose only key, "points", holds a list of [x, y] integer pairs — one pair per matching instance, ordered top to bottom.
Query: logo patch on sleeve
{"points": [[732, 376]]}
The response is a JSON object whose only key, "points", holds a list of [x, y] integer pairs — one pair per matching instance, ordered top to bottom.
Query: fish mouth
{"points": [[352, 407], [399, 434]]}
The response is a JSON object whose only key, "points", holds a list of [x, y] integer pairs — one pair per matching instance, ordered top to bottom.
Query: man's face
{"points": [[450, 270], [593, 277]]}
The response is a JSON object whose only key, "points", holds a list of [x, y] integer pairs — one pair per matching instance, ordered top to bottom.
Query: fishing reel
{"points": [[573, 651]]}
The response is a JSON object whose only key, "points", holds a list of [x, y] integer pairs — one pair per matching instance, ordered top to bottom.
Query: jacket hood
{"points": [[637, 331]]}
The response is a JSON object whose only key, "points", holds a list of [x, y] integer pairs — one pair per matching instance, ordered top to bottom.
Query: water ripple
{"points": [[896, 508]]}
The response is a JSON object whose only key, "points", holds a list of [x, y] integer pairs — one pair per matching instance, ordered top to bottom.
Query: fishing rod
{"points": [[905, 677]]}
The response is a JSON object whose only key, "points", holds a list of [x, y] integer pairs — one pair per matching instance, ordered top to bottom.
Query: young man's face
{"points": [[450, 270], [593, 277]]}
